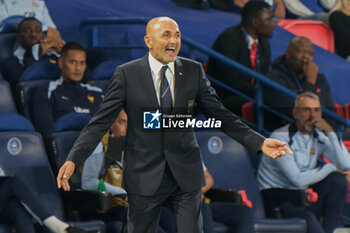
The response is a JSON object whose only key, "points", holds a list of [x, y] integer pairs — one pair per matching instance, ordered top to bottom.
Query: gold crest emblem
{"points": [[91, 98]]}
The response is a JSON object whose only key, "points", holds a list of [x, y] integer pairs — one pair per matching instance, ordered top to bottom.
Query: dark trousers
{"points": [[13, 191], [331, 198], [144, 211], [239, 218]]}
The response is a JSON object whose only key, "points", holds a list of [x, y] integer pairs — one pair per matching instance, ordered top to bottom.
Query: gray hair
{"points": [[307, 94]]}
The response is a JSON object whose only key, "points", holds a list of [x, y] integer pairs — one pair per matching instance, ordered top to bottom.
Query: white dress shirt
{"points": [[156, 67]]}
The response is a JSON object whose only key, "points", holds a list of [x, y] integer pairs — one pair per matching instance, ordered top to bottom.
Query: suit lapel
{"points": [[145, 76], [179, 81]]}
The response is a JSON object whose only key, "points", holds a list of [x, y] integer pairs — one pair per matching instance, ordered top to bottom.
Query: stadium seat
{"points": [[10, 24], [318, 32], [7, 41], [46, 69], [106, 69], [101, 83], [24, 95], [7, 103], [247, 110], [340, 110], [347, 110], [15, 122], [71, 122], [347, 144], [59, 145], [23, 154], [228, 162]]}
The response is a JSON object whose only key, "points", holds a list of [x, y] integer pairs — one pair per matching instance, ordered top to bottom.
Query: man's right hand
{"points": [[311, 70], [65, 172]]}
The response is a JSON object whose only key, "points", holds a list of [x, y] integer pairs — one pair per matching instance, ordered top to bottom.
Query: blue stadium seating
{"points": [[10, 24], [8, 31], [7, 41], [46, 69], [106, 69], [101, 83], [24, 93], [7, 103], [15, 122], [71, 122], [59, 145], [23, 154], [228, 162]]}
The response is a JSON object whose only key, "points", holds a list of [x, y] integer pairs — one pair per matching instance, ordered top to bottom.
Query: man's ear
{"points": [[255, 21], [148, 41]]}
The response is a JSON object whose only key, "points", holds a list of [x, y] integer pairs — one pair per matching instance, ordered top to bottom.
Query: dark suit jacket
{"points": [[232, 44], [147, 152]]}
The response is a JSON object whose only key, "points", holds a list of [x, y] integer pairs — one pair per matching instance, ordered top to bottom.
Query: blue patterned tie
{"points": [[166, 101]]}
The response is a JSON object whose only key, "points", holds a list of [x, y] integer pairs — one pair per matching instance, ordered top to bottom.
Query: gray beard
{"points": [[305, 127]]}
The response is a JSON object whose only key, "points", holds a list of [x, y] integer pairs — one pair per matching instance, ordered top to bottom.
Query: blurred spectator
{"points": [[234, 6], [277, 6], [28, 8], [297, 9], [339, 20], [247, 44], [30, 48], [297, 71], [67, 94], [309, 137], [106, 156], [106, 162], [20, 205], [239, 218]]}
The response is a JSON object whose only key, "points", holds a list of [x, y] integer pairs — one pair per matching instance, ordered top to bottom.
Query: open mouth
{"points": [[170, 49]]}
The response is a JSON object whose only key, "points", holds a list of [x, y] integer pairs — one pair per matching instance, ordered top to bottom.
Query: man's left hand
{"points": [[322, 125], [274, 148]]}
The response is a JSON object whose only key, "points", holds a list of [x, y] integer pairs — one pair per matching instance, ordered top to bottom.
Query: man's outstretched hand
{"points": [[275, 148], [64, 174]]}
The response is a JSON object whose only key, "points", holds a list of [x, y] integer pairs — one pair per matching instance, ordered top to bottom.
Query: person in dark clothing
{"points": [[339, 20], [247, 44], [31, 47], [297, 71], [67, 94], [16, 197]]}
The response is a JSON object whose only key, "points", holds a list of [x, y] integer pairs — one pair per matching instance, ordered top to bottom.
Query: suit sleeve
{"points": [[211, 107], [108, 111]]}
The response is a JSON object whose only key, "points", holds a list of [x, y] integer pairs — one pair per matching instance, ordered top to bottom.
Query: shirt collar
{"points": [[251, 40], [19, 52], [156, 66]]}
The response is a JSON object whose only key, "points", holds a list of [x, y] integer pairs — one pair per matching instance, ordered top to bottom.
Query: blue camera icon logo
{"points": [[151, 120]]}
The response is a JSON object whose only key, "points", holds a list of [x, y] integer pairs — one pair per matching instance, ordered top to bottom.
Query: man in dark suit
{"points": [[247, 44], [162, 164]]}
